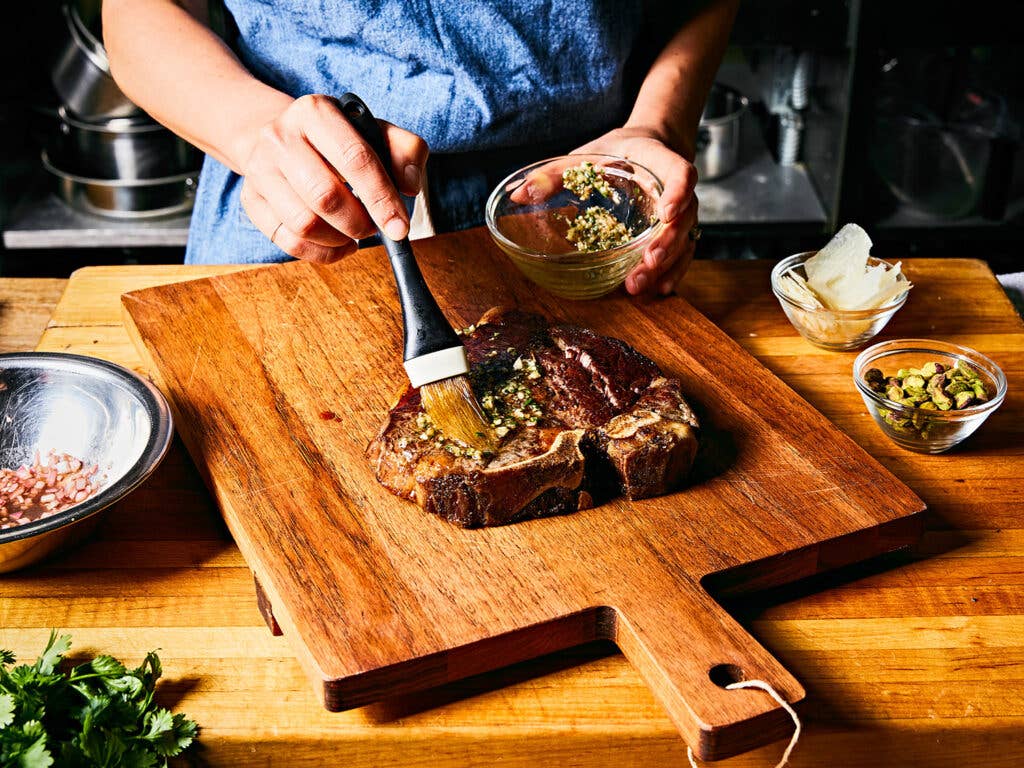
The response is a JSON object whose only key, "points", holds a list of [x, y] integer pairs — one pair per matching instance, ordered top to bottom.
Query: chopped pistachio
{"points": [[966, 370], [902, 373], [874, 379], [914, 382], [956, 386], [932, 387], [894, 392], [917, 396], [963, 399]]}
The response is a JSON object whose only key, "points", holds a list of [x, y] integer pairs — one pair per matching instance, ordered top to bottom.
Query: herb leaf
{"points": [[53, 653], [107, 665], [6, 709], [96, 714], [37, 755]]}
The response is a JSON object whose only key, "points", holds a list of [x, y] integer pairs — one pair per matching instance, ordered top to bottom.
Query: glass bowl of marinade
{"points": [[576, 225], [928, 396]]}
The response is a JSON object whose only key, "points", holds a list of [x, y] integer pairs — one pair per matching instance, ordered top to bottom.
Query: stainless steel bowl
{"points": [[81, 74], [718, 136], [122, 148], [125, 198], [97, 411]]}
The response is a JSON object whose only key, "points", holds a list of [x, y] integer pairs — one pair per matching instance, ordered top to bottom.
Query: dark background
{"points": [[878, 67]]}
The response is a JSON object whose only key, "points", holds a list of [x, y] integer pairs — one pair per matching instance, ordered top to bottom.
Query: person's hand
{"points": [[295, 191], [667, 258]]}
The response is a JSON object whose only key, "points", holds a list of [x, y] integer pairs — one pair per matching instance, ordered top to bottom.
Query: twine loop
{"points": [[763, 686]]}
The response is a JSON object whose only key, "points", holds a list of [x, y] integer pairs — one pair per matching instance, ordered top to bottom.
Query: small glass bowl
{"points": [[527, 217], [833, 328], [916, 429]]}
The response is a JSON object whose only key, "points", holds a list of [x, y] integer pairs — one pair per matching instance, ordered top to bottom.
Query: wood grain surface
{"points": [[25, 307], [379, 599], [920, 664]]}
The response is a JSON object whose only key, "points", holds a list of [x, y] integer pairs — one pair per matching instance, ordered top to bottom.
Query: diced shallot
{"points": [[49, 485]]}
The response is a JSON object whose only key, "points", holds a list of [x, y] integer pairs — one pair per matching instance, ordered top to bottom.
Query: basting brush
{"points": [[435, 358]]}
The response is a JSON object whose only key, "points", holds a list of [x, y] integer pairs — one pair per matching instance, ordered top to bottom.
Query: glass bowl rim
{"points": [[499, 191], [784, 265], [925, 346]]}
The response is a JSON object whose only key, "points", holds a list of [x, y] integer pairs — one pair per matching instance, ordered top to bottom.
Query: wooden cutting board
{"points": [[379, 598]]}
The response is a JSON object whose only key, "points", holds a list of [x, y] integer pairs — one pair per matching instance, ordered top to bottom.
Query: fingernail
{"points": [[412, 177], [670, 211], [396, 228], [656, 256], [640, 283], [667, 287]]}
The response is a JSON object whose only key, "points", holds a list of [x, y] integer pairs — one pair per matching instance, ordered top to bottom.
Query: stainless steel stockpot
{"points": [[81, 74], [718, 136], [121, 148], [125, 198]]}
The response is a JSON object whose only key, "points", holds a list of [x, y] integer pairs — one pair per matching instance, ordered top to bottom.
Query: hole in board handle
{"points": [[726, 674]]}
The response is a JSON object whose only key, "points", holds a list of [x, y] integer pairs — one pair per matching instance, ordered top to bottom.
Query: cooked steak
{"points": [[581, 417]]}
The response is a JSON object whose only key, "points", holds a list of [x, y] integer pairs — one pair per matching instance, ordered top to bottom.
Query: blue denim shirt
{"points": [[489, 85]]}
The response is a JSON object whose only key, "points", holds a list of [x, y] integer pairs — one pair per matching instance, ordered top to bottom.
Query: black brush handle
{"points": [[426, 328]]}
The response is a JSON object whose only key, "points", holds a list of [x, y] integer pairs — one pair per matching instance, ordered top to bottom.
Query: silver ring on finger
{"points": [[274, 233], [695, 233]]}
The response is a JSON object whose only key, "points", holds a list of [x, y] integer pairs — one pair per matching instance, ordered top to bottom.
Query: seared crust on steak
{"points": [[592, 418]]}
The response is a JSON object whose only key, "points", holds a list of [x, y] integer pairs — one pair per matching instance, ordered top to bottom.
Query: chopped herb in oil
{"points": [[585, 179], [596, 229], [502, 382]]}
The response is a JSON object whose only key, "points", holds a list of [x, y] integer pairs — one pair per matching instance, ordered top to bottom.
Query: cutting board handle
{"points": [[717, 723]]}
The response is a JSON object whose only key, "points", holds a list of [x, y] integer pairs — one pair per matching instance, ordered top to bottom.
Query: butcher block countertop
{"points": [[912, 661]]}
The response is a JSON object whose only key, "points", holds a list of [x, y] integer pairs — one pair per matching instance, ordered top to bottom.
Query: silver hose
{"points": [[799, 96], [791, 121], [791, 131]]}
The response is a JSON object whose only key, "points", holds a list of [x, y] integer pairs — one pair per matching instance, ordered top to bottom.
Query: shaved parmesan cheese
{"points": [[840, 276], [795, 287]]}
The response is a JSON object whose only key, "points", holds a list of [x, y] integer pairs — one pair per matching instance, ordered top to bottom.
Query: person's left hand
{"points": [[667, 258]]}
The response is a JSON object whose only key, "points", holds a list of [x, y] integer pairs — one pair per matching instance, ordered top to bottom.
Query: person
{"points": [[487, 86]]}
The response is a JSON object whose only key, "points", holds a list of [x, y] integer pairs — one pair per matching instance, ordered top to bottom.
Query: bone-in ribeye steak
{"points": [[583, 418]]}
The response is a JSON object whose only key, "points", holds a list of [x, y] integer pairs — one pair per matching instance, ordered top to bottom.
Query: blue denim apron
{"points": [[490, 86]]}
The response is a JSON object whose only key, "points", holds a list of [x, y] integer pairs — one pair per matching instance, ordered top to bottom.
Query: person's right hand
{"points": [[294, 187]]}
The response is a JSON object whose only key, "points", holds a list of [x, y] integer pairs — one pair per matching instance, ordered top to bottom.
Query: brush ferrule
{"points": [[435, 366]]}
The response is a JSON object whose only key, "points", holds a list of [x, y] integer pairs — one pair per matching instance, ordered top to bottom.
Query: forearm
{"points": [[169, 62], [673, 92]]}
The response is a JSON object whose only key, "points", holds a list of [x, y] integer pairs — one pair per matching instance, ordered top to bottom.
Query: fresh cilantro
{"points": [[6, 709], [97, 713]]}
